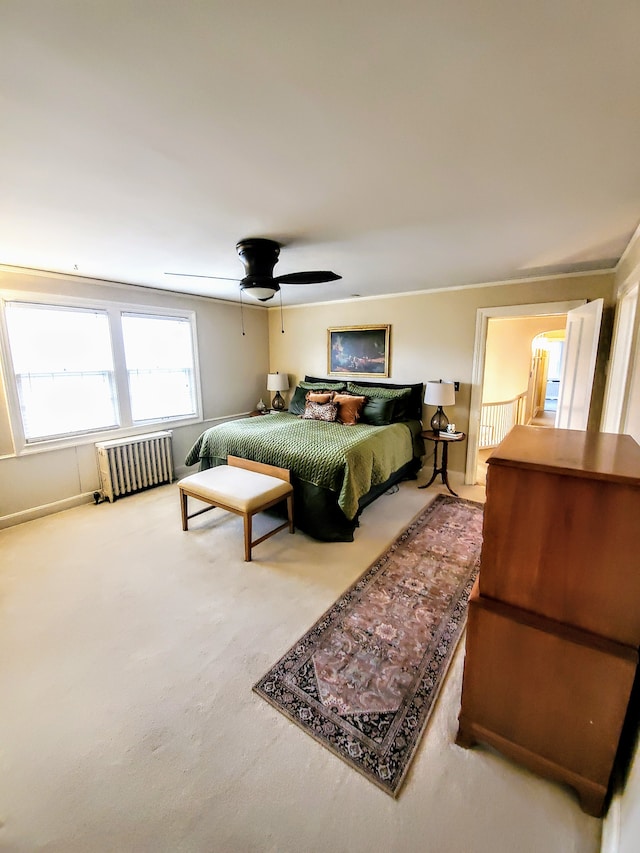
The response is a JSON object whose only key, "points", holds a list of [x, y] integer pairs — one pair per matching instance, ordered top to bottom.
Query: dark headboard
{"points": [[415, 398]]}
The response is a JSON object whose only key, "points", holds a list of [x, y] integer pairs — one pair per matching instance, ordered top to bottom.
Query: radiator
{"points": [[131, 464]]}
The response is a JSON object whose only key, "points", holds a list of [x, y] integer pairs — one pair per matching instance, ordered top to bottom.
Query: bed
{"points": [[336, 469]]}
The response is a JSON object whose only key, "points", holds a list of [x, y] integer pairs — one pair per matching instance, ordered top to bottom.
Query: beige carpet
{"points": [[127, 654]]}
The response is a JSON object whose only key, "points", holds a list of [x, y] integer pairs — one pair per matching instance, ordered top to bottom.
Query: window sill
{"points": [[102, 435]]}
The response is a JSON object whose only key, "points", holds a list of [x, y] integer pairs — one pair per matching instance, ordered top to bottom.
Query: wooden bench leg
{"points": [[183, 508], [290, 513], [247, 537]]}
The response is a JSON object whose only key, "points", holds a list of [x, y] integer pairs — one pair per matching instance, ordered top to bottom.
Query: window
{"points": [[159, 356], [63, 368], [80, 369]]}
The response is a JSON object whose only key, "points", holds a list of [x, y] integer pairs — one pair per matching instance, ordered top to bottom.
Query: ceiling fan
{"points": [[259, 257]]}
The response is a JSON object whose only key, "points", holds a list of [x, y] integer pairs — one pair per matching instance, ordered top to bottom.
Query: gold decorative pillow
{"points": [[319, 396], [349, 408]]}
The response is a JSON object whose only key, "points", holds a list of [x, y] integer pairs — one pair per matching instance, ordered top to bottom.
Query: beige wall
{"points": [[432, 334], [508, 356], [233, 371]]}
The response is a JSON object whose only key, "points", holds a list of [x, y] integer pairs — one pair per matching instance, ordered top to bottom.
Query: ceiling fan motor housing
{"points": [[259, 256]]}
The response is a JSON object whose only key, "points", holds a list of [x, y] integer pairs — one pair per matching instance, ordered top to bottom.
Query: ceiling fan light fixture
{"points": [[261, 293]]}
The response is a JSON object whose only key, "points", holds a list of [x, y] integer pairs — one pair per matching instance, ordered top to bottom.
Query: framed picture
{"points": [[359, 350]]}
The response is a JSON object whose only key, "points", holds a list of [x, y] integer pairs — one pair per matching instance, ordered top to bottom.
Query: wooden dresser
{"points": [[554, 619]]}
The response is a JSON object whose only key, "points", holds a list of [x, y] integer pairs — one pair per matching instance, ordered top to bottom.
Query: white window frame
{"points": [[114, 311]]}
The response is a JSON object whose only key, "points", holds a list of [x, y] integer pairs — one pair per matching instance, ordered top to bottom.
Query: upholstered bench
{"points": [[241, 486]]}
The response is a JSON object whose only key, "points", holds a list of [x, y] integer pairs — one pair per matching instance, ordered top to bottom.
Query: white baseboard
{"points": [[45, 509]]}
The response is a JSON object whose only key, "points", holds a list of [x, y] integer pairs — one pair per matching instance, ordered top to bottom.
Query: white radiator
{"points": [[130, 464]]}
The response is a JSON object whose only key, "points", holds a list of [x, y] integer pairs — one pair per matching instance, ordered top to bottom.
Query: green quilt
{"points": [[348, 460]]}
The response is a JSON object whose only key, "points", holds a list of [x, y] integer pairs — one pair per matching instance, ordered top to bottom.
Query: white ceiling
{"points": [[407, 145]]}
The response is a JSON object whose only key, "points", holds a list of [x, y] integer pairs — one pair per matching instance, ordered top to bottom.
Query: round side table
{"points": [[445, 440]]}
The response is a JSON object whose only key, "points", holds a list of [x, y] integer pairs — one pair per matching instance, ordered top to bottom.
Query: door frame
{"points": [[483, 315], [620, 368]]}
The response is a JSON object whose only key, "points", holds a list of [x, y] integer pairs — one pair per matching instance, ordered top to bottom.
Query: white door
{"points": [[578, 365]]}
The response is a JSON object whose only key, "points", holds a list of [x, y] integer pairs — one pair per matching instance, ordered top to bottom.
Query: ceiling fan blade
{"points": [[195, 275], [311, 277]]}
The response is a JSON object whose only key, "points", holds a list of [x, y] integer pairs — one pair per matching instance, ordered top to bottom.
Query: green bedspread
{"points": [[348, 460]]}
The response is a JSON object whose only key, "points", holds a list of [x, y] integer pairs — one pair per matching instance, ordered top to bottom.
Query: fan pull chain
{"points": [[241, 313], [281, 317]]}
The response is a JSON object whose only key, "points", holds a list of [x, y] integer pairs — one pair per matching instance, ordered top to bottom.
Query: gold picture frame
{"points": [[359, 351]]}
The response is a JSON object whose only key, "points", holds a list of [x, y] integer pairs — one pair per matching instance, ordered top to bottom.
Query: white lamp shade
{"points": [[277, 382], [440, 394]]}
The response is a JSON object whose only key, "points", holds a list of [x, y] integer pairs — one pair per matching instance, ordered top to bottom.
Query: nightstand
{"points": [[256, 413], [438, 438]]}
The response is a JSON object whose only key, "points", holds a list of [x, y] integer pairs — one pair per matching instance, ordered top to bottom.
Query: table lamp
{"points": [[277, 382], [439, 394]]}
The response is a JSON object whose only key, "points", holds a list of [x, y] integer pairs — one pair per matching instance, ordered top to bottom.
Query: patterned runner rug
{"points": [[364, 679]]}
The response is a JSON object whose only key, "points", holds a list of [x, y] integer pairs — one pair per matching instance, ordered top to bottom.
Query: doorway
{"points": [[554, 313], [522, 372], [546, 372]]}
